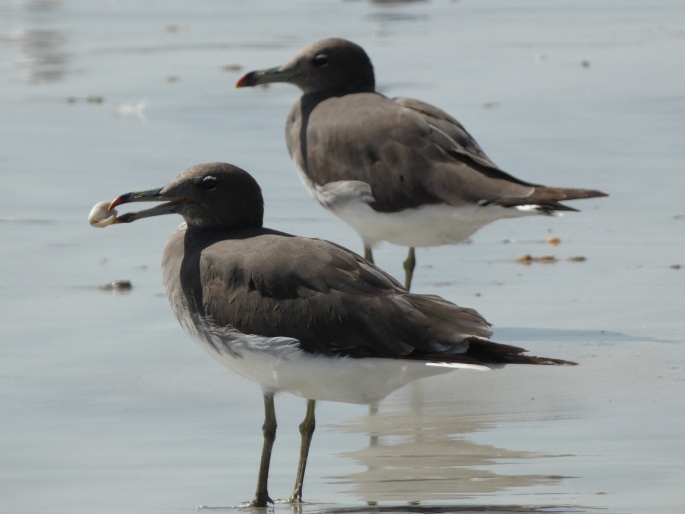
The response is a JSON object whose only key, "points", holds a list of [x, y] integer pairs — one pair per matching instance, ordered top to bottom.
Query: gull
{"points": [[394, 169], [299, 315]]}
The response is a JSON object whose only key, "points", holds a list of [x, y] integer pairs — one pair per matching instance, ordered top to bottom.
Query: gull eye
{"points": [[320, 59], [208, 182]]}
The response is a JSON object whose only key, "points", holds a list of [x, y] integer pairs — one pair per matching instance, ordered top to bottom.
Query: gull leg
{"points": [[368, 254], [409, 265], [307, 431], [373, 436], [261, 497]]}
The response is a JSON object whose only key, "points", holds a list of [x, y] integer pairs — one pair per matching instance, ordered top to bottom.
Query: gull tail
{"points": [[547, 199], [482, 352]]}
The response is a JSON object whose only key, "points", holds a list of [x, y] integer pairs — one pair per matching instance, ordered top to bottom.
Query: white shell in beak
{"points": [[99, 216]]}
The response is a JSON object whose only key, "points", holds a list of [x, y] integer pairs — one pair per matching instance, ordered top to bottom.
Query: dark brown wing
{"points": [[409, 152], [327, 298]]}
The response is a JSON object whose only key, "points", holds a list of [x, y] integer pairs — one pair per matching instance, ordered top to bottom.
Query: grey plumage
{"points": [[395, 155], [298, 314]]}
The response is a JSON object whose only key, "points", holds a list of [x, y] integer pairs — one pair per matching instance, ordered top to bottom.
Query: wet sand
{"points": [[108, 407]]}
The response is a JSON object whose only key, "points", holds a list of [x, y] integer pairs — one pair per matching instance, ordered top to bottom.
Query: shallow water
{"points": [[107, 407]]}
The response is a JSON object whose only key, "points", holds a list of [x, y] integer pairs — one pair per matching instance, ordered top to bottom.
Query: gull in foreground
{"points": [[394, 169], [299, 315]]}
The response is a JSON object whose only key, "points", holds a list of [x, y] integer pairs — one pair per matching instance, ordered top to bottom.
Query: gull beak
{"points": [[267, 76], [152, 195]]}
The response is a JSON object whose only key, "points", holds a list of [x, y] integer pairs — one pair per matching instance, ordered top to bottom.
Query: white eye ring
{"points": [[320, 59], [209, 182], [99, 216]]}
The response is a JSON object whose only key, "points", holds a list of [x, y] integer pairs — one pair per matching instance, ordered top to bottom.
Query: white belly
{"points": [[428, 225], [276, 364]]}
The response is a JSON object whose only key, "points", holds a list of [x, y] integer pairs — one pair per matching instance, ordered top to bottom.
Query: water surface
{"points": [[107, 407]]}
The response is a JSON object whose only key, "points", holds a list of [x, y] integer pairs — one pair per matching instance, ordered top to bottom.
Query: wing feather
{"points": [[328, 298]]}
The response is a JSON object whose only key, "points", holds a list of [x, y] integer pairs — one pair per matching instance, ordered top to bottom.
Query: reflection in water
{"points": [[394, 2], [389, 15], [41, 54], [423, 454], [448, 509]]}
